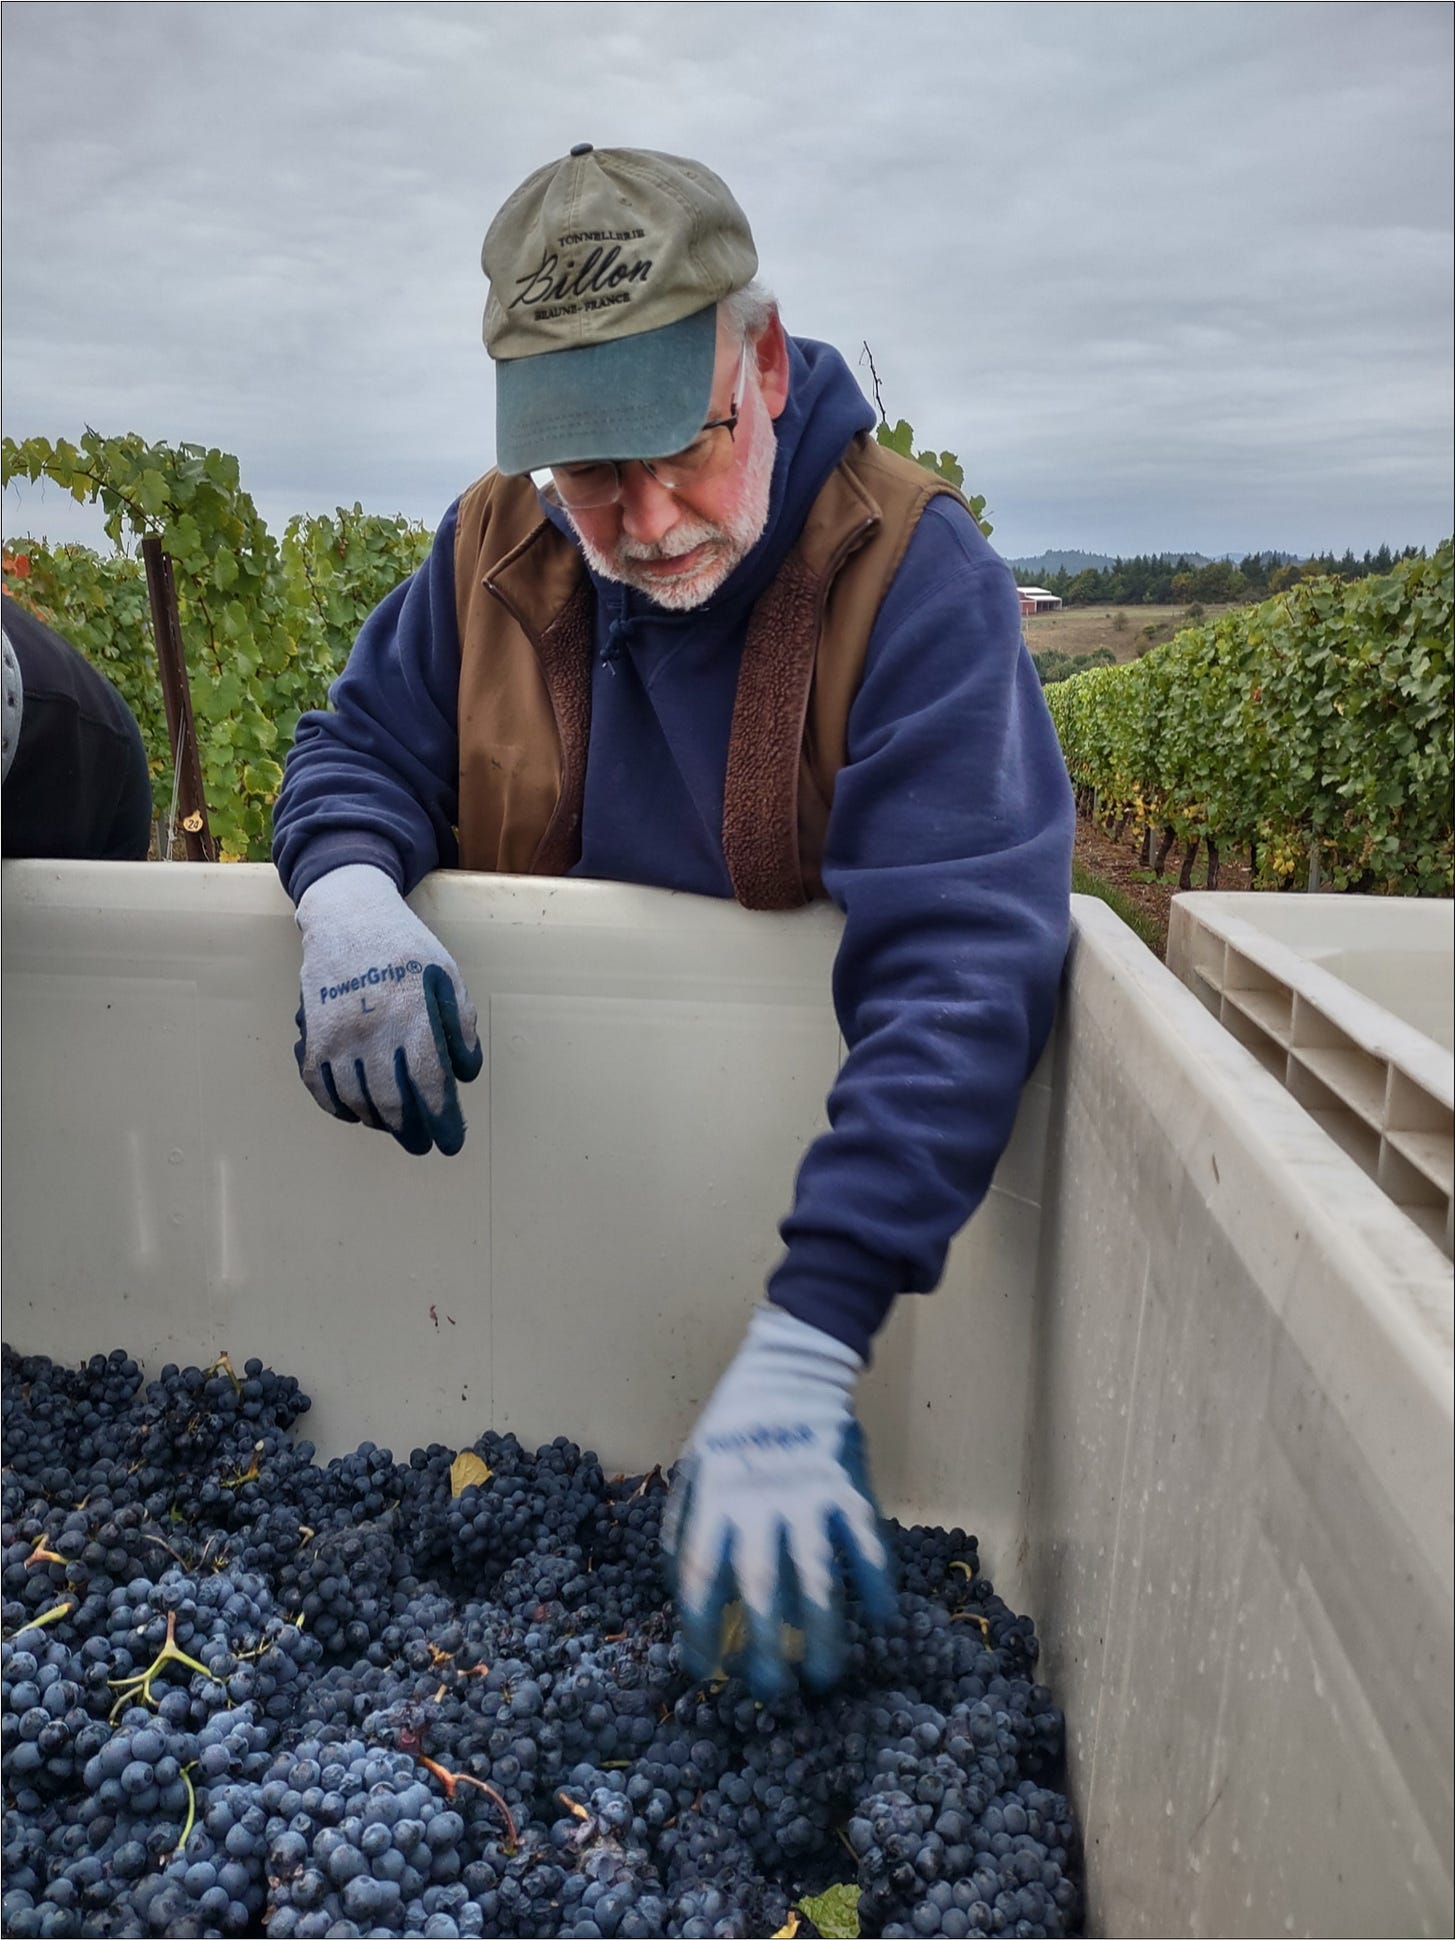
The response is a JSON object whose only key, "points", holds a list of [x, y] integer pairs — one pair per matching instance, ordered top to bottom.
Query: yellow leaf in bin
{"points": [[467, 1471], [734, 1634], [734, 1637], [789, 1929]]}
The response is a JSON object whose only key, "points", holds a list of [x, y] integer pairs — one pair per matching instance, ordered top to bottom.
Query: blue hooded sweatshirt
{"points": [[948, 847]]}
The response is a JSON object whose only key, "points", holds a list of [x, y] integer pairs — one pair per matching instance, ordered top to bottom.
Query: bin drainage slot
{"points": [[1207, 987], [1269, 1009], [1252, 1035], [1355, 1078], [1348, 1129], [1430, 1154], [1425, 1203]]}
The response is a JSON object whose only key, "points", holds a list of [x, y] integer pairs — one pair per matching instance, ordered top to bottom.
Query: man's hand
{"points": [[386, 1026], [772, 1499]]}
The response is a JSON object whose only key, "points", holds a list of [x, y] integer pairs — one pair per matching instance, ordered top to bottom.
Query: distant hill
{"points": [[1098, 562]]}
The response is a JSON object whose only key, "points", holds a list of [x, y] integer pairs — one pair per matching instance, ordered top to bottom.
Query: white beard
{"points": [[731, 542]]}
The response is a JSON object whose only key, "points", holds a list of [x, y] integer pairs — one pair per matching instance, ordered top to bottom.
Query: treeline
{"points": [[1155, 580]]}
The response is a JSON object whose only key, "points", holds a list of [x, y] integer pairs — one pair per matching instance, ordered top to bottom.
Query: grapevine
{"points": [[265, 626], [1316, 726]]}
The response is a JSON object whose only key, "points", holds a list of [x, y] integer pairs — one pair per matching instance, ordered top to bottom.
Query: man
{"points": [[778, 663], [76, 782]]}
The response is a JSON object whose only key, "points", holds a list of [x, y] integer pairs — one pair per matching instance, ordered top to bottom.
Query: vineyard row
{"points": [[1313, 730]]}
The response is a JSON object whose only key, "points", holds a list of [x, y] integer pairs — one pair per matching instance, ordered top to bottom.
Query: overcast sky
{"points": [[1162, 276]]}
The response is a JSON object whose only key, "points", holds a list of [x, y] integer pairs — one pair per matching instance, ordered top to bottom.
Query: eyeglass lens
{"points": [[587, 487]]}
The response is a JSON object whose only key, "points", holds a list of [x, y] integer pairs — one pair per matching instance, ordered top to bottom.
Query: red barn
{"points": [[1036, 599]]}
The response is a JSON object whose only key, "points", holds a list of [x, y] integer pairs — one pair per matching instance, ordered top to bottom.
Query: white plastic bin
{"points": [[1397, 951], [1346, 1000], [1188, 1378]]}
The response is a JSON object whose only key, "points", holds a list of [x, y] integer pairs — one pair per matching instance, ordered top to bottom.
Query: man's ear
{"points": [[772, 354]]}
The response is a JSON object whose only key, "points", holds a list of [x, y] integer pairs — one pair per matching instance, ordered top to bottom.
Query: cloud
{"points": [[1143, 267]]}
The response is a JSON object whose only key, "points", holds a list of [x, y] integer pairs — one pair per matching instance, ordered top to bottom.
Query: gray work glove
{"points": [[386, 1026], [772, 1505]]}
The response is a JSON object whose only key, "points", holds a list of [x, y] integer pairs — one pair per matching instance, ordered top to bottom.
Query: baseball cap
{"points": [[606, 269]]}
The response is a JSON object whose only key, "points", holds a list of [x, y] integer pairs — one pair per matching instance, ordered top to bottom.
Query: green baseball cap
{"points": [[606, 269]]}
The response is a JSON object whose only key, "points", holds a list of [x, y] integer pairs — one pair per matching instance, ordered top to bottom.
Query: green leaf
{"points": [[901, 438], [949, 467], [222, 468], [151, 492], [185, 542], [264, 780], [835, 1911]]}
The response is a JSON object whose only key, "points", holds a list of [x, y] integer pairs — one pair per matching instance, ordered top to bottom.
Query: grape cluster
{"points": [[247, 1693]]}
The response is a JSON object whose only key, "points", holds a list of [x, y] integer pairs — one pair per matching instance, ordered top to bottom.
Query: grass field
{"points": [[1123, 630]]}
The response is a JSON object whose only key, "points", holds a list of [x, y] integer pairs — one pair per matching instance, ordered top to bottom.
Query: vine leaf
{"points": [[261, 648], [467, 1471], [835, 1911]]}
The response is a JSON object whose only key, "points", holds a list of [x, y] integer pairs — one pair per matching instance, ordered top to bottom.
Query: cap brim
{"points": [[635, 397]]}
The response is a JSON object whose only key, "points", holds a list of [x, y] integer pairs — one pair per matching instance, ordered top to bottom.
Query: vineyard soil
{"points": [[1118, 864]]}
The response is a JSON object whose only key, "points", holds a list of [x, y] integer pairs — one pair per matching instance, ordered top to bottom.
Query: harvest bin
{"points": [[1189, 1377]]}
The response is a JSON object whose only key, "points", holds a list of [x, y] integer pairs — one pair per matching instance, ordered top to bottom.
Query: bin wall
{"points": [[655, 1067], [1188, 1378], [1241, 1487]]}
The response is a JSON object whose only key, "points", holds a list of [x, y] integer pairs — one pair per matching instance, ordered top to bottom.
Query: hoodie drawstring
{"points": [[618, 634]]}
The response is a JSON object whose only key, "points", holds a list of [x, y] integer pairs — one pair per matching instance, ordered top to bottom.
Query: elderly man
{"points": [[699, 630]]}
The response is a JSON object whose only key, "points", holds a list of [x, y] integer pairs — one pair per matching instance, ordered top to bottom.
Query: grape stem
{"points": [[53, 1615], [972, 1616], [141, 1685], [451, 1779], [181, 1845]]}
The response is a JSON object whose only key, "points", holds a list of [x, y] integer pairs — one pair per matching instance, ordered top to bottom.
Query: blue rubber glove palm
{"points": [[386, 1026], [773, 1502]]}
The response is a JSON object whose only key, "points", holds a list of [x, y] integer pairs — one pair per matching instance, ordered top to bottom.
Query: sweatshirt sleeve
{"points": [[375, 776], [949, 852]]}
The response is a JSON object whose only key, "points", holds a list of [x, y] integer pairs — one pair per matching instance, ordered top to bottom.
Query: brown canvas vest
{"points": [[525, 610]]}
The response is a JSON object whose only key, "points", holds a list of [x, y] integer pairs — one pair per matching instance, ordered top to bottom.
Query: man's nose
{"points": [[649, 511]]}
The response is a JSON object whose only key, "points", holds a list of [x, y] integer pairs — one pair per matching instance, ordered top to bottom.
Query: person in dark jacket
{"points": [[699, 630], [76, 782]]}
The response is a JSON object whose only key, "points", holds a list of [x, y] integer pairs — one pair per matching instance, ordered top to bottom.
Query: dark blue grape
{"points": [[370, 1643]]}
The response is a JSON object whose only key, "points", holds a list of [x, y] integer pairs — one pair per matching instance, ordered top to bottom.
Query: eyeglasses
{"points": [[589, 487]]}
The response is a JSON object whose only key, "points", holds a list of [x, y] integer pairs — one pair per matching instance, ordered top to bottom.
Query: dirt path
{"points": [[1118, 863]]}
